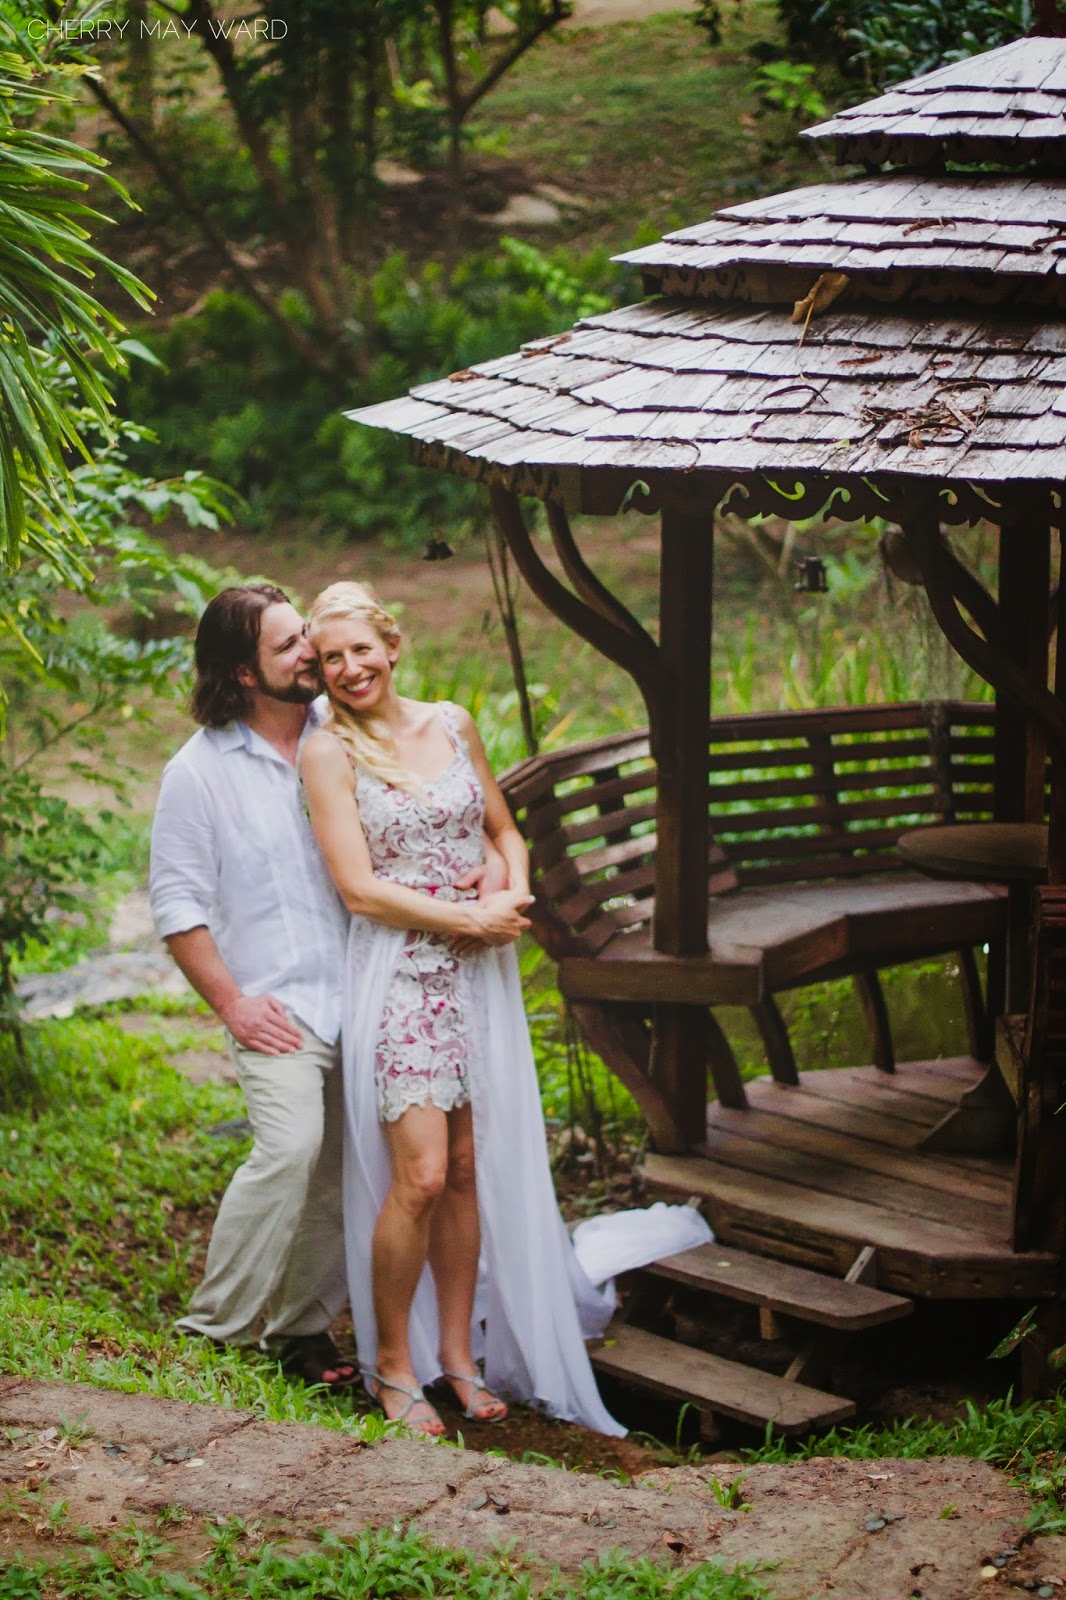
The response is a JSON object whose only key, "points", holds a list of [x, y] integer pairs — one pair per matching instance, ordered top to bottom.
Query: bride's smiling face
{"points": [[355, 662]]}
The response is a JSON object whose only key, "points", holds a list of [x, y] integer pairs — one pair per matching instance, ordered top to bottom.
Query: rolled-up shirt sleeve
{"points": [[184, 871]]}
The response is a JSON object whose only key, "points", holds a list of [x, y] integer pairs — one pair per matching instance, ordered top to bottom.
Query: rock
{"points": [[394, 175], [560, 197], [526, 211], [100, 979]]}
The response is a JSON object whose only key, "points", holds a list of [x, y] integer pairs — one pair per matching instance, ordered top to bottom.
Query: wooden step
{"points": [[791, 1291], [712, 1384]]}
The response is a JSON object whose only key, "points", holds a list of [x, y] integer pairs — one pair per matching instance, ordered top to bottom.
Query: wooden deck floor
{"points": [[812, 1174]]}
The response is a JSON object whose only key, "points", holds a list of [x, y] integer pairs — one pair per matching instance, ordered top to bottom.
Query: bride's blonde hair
{"points": [[365, 737]]}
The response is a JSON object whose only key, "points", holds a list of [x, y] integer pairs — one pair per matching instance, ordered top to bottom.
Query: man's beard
{"points": [[294, 694]]}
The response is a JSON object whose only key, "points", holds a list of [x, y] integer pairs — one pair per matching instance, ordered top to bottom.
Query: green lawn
{"points": [[647, 124]]}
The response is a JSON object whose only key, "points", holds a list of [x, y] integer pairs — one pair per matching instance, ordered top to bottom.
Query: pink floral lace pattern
{"points": [[426, 842]]}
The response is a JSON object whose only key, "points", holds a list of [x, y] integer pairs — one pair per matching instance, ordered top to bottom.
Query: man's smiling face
{"points": [[285, 666]]}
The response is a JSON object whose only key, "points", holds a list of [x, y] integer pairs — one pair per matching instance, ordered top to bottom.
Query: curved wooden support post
{"points": [[584, 580], [971, 592], [637, 654], [984, 657], [872, 999], [978, 1020], [773, 1031], [620, 1036]]}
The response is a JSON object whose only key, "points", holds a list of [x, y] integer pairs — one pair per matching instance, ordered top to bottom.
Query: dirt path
{"points": [[594, 13], [849, 1530]]}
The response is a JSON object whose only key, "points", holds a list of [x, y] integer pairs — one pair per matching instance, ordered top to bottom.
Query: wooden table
{"points": [[982, 852], [1014, 854]]}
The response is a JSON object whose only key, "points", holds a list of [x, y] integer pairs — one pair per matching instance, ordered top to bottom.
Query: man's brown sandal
{"points": [[310, 1356]]}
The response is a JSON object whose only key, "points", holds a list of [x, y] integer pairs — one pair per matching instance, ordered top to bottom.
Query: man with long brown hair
{"points": [[244, 902]]}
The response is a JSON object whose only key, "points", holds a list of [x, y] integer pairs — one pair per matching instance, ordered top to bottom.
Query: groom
{"points": [[243, 900]]}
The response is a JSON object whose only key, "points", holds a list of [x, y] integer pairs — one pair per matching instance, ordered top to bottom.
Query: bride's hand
{"points": [[499, 916]]}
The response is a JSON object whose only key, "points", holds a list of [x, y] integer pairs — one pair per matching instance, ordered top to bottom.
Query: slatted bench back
{"points": [[826, 794], [795, 796]]}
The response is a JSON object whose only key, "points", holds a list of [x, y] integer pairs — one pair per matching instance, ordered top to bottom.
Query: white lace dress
{"points": [[425, 842], [423, 1026]]}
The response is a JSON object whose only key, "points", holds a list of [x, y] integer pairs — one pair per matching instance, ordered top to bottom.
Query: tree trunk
{"points": [[141, 67], [296, 337]]}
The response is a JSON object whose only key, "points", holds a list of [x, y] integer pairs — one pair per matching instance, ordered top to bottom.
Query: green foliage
{"points": [[884, 41], [789, 86], [45, 246], [232, 397], [68, 679], [49, 852], [376, 1565]]}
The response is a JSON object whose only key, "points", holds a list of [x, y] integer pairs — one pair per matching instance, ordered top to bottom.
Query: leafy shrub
{"points": [[885, 41], [788, 86], [232, 398]]}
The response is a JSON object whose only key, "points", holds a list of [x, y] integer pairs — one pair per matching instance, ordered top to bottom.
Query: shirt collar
{"points": [[238, 735]]}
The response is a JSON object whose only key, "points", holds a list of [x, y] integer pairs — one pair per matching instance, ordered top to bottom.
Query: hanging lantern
{"points": [[437, 550], [810, 576]]}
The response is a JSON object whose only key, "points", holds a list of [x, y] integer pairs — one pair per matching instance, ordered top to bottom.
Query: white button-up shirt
{"points": [[232, 850]]}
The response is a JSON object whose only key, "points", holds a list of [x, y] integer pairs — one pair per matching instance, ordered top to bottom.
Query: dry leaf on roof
{"points": [[930, 222], [827, 287], [941, 416]]}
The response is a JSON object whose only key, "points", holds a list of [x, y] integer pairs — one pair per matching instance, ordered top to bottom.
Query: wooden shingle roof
{"points": [[1007, 105], [874, 229], [940, 354], [696, 387]]}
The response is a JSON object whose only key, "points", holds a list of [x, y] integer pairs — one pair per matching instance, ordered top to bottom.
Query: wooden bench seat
{"points": [[804, 882], [763, 941]]}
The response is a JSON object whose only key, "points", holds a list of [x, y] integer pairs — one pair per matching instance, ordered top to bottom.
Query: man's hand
{"points": [[488, 879], [259, 1022]]}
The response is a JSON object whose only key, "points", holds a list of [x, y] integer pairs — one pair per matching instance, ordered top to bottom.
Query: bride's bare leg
{"points": [[418, 1150], [454, 1247]]}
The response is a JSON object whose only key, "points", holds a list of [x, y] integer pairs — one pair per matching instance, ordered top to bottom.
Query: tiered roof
{"points": [[1005, 106], [1011, 231], [939, 353]]}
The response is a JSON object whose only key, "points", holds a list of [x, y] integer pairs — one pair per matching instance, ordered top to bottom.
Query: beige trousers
{"points": [[277, 1247]]}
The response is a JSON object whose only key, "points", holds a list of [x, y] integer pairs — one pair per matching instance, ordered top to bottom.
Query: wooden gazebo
{"points": [[887, 346]]}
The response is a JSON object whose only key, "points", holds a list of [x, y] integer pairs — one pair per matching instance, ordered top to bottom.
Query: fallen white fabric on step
{"points": [[621, 1241]]}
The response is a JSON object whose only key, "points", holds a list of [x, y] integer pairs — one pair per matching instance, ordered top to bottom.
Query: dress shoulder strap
{"points": [[450, 717]]}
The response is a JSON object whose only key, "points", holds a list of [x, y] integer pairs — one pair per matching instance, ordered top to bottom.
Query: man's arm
{"points": [[183, 882], [256, 1021]]}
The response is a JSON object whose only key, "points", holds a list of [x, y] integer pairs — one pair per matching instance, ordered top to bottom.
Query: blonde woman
{"points": [[446, 1166]]}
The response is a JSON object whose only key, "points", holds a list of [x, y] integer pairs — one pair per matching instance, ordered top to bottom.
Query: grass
{"points": [[655, 90], [106, 1200], [375, 1566]]}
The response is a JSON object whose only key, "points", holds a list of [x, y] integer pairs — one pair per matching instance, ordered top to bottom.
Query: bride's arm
{"points": [[330, 788], [500, 826]]}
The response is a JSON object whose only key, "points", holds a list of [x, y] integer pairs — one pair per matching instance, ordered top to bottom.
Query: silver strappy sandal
{"points": [[477, 1380], [414, 1397]]}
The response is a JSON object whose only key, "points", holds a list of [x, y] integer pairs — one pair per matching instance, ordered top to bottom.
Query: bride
{"points": [[446, 1170]]}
